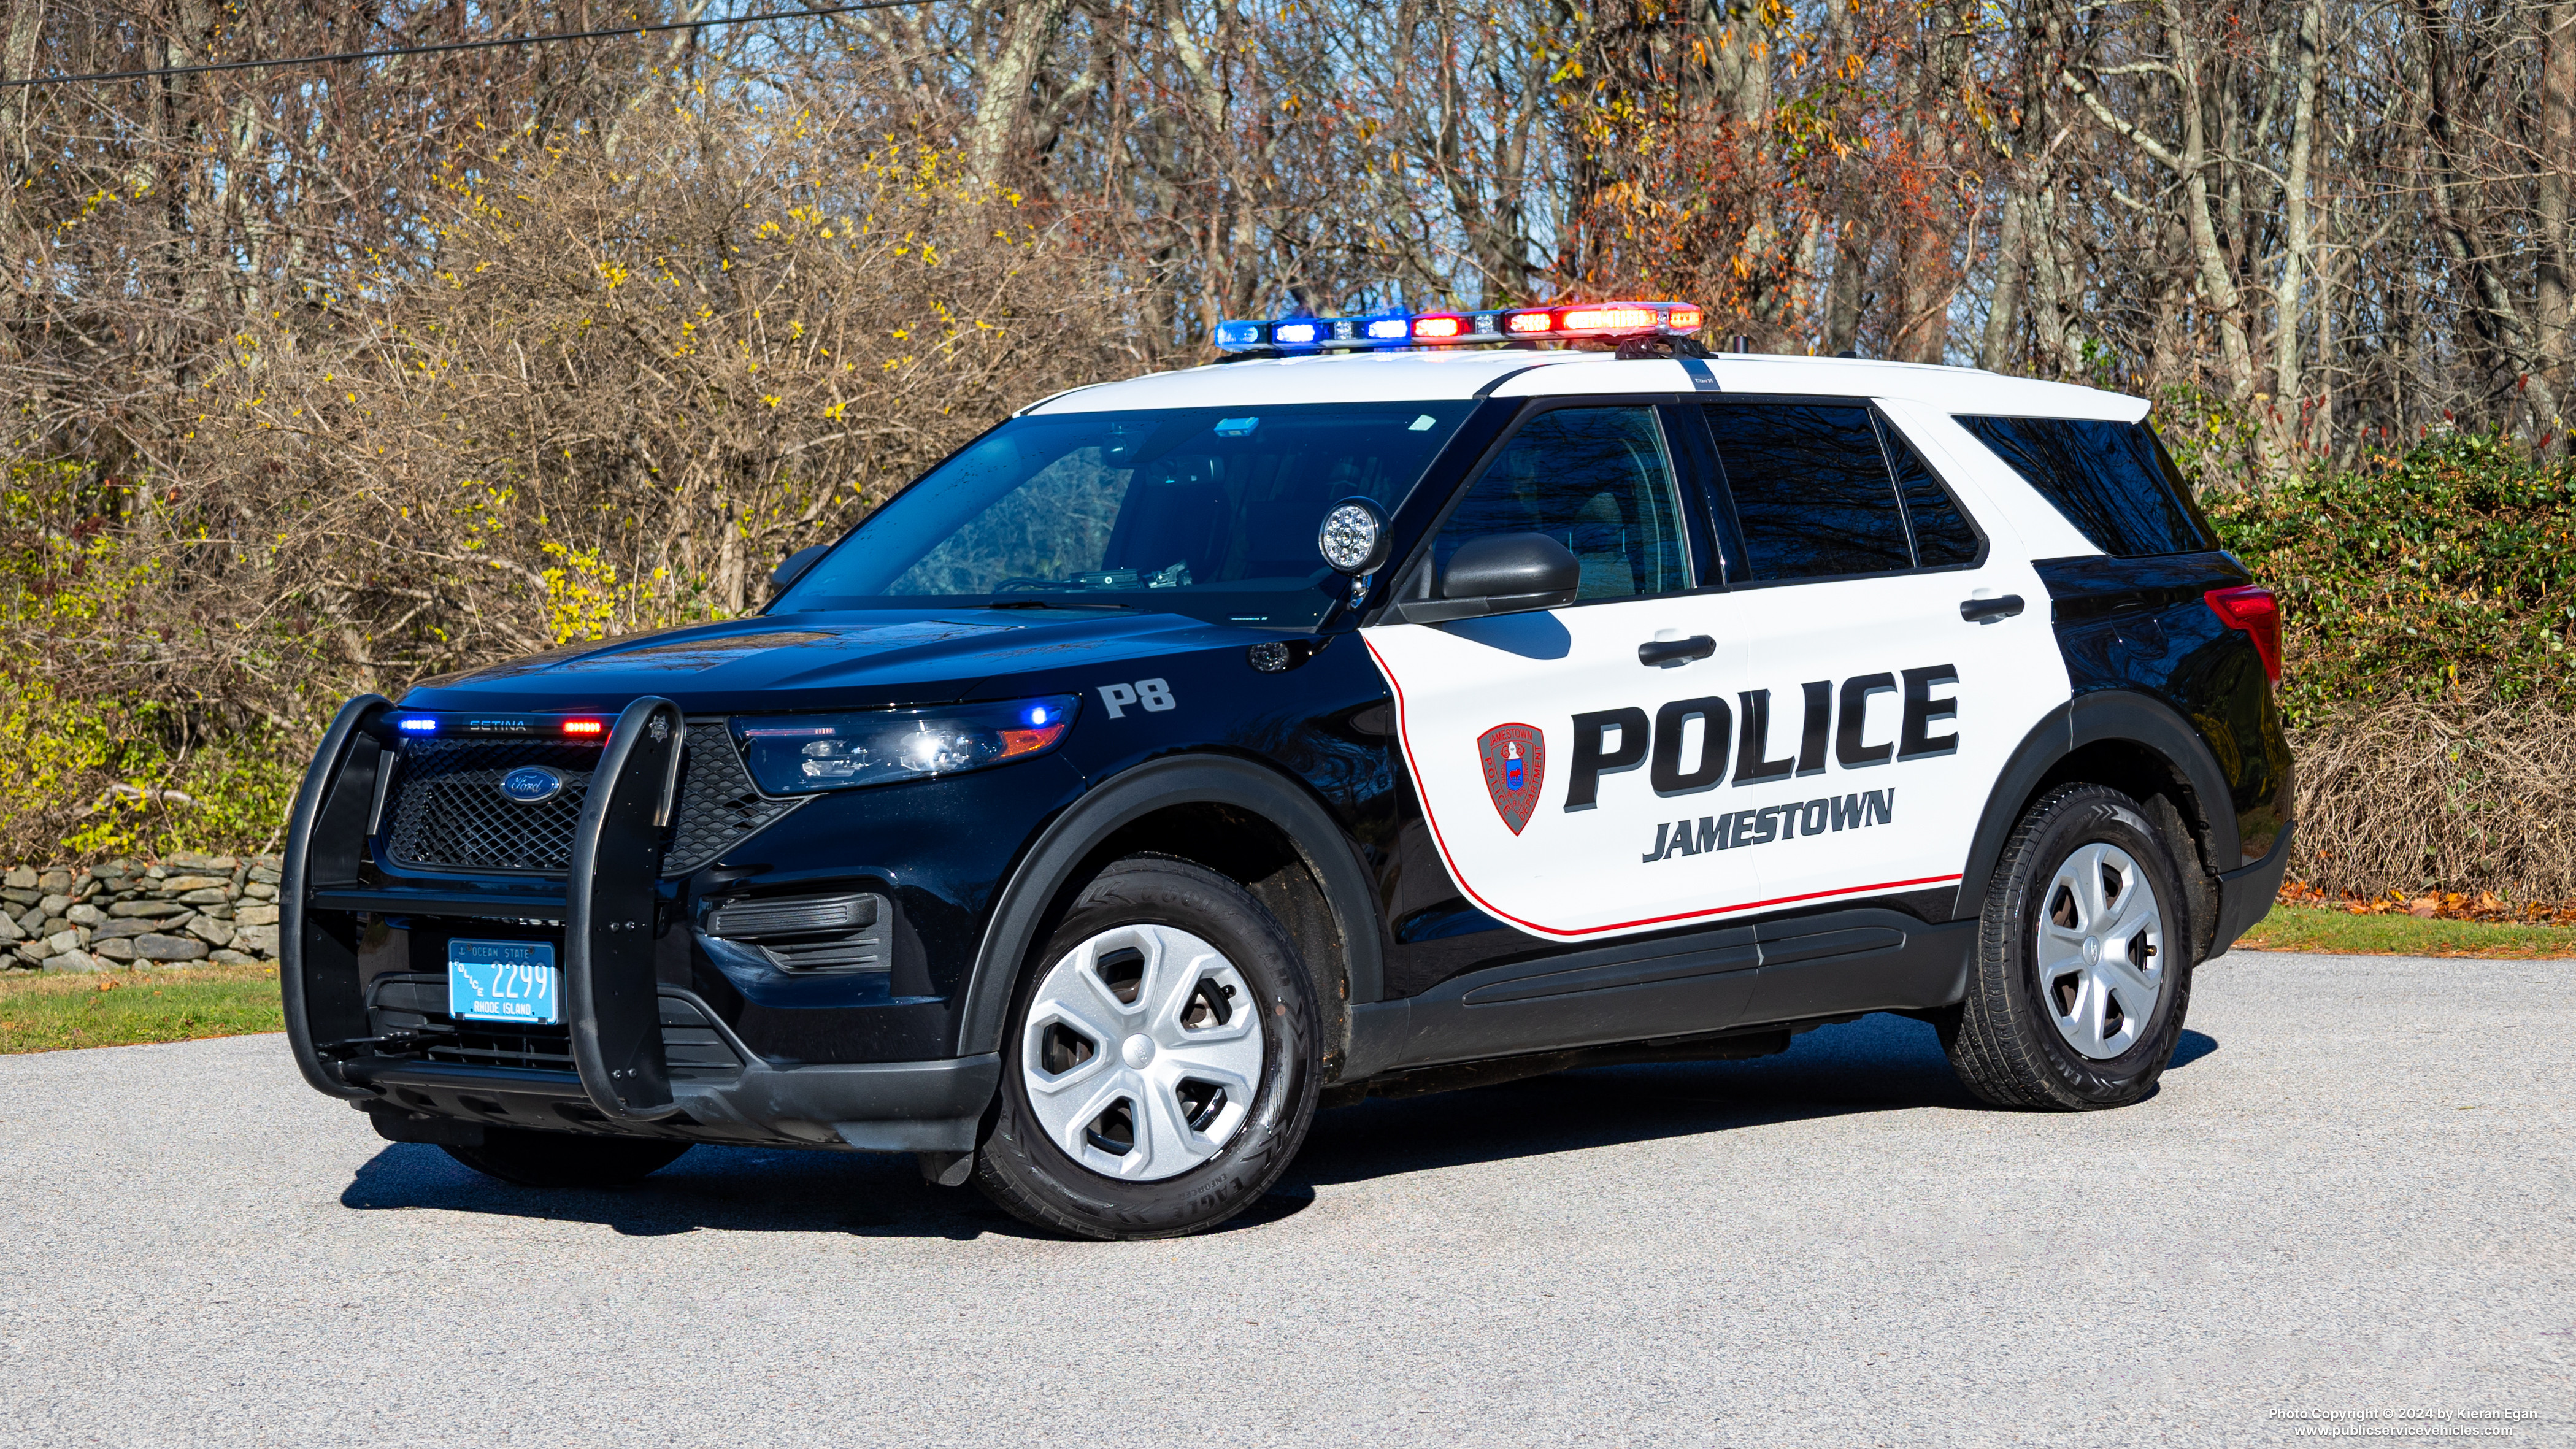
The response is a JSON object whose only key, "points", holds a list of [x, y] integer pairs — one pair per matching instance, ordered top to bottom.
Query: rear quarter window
{"points": [[2113, 481]]}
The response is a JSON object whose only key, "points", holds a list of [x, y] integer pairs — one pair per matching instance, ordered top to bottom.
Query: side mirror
{"points": [[793, 567], [1508, 571], [1501, 573]]}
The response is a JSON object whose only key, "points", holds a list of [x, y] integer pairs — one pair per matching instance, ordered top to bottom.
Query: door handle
{"points": [[1987, 611], [1655, 652]]}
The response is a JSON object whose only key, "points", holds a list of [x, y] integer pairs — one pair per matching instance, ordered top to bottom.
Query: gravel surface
{"points": [[2352, 1195]]}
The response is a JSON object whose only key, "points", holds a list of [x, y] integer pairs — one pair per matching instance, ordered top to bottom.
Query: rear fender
{"points": [[2109, 715]]}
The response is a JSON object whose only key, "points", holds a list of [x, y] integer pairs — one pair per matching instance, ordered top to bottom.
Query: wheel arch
{"points": [[2134, 743], [1245, 821]]}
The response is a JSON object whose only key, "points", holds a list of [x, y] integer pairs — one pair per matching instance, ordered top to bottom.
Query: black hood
{"points": [[853, 659]]}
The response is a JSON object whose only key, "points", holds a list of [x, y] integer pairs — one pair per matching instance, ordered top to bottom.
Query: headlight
{"points": [[800, 754]]}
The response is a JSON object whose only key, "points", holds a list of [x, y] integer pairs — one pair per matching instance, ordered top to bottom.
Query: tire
{"points": [[2085, 950], [1160, 1063], [566, 1159]]}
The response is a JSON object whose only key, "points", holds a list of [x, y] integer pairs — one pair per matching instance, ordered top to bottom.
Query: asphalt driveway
{"points": [[2351, 1197]]}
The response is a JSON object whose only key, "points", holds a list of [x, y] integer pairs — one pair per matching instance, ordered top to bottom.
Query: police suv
{"points": [[1406, 702]]}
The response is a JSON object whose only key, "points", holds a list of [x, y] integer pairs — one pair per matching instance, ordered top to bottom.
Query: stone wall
{"points": [[129, 913]]}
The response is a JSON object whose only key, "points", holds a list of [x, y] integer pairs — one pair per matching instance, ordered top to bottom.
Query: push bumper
{"points": [[617, 1013]]}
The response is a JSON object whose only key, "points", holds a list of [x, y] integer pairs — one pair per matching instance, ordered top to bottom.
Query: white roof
{"points": [[1431, 376]]}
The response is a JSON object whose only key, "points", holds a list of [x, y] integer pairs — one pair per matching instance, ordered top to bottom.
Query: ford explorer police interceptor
{"points": [[1406, 702]]}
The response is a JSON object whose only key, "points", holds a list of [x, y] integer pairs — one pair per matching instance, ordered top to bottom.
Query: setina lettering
{"points": [[1773, 822]]}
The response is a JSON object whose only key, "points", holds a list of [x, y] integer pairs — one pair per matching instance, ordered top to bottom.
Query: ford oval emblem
{"points": [[532, 784]]}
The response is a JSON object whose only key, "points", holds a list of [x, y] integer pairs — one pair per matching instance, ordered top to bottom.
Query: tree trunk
{"points": [[1002, 102], [2557, 159], [1845, 293], [2288, 392]]}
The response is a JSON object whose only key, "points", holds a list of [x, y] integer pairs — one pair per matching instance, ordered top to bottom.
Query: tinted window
{"points": [[2111, 480], [1597, 481], [1811, 489], [1942, 536]]}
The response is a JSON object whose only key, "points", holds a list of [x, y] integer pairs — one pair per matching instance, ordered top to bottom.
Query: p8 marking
{"points": [[1153, 694]]}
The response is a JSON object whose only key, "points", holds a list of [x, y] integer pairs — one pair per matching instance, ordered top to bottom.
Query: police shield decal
{"points": [[1515, 757]]}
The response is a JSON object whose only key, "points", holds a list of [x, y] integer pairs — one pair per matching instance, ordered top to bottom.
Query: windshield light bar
{"points": [[1565, 323]]}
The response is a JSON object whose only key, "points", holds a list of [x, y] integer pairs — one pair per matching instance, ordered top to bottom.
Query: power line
{"points": [[547, 38]]}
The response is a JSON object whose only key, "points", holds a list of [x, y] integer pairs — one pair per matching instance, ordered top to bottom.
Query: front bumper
{"points": [[637, 1056], [870, 1106]]}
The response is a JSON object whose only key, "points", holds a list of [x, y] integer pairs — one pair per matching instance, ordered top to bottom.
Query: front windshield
{"points": [[1210, 512]]}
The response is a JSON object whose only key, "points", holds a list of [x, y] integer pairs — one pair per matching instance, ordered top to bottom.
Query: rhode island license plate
{"points": [[503, 981]]}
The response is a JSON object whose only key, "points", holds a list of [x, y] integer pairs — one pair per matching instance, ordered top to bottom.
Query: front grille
{"points": [[718, 804], [448, 812], [418, 1002], [538, 1048]]}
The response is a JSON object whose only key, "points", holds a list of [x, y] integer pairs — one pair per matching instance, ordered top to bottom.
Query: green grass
{"points": [[2303, 928], [49, 1012]]}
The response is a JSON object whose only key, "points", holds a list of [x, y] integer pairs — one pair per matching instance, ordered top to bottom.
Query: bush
{"points": [[618, 379], [2449, 576], [2427, 678]]}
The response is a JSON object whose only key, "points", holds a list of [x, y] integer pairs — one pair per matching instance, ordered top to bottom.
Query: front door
{"points": [[1550, 758]]}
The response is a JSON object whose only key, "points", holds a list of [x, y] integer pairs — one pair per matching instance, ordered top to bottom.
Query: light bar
{"points": [[1596, 321], [417, 725], [585, 727]]}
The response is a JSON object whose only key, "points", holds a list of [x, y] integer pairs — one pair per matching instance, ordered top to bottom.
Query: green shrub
{"points": [[2448, 575], [109, 741]]}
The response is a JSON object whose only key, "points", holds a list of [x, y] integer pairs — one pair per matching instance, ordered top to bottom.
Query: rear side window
{"points": [[2111, 480], [1812, 493], [1942, 535]]}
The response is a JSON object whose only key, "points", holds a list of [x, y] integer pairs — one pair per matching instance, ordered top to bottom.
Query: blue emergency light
{"points": [[1573, 321]]}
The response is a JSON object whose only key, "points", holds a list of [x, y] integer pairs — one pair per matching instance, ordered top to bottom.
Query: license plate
{"points": [[503, 981]]}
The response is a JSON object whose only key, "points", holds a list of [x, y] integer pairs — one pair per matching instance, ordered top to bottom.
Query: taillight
{"points": [[2252, 609]]}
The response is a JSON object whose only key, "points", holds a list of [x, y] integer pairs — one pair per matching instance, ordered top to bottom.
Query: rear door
{"points": [[1884, 644]]}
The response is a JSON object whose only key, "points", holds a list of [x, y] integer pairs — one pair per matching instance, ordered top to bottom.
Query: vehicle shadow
{"points": [[1878, 1064]]}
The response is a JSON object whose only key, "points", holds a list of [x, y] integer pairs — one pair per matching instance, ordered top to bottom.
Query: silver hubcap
{"points": [[2101, 951], [1141, 1053]]}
